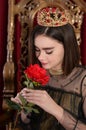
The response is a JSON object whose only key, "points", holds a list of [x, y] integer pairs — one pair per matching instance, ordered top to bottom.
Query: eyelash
{"points": [[50, 52]]}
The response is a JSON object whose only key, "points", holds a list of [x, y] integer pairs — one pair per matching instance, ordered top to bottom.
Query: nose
{"points": [[41, 56]]}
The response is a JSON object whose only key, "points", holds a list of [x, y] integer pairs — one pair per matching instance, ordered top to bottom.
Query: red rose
{"points": [[37, 74]]}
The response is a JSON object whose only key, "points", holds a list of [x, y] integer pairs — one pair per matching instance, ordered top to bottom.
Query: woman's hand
{"points": [[16, 99], [43, 100], [24, 117]]}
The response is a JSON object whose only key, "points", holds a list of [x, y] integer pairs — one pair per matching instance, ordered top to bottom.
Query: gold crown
{"points": [[53, 17]]}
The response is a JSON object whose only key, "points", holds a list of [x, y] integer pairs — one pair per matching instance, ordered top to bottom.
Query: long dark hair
{"points": [[66, 35]]}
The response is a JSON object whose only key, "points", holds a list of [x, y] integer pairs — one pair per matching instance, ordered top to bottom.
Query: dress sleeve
{"points": [[71, 123]]}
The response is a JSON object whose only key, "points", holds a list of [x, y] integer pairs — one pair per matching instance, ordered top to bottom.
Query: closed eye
{"points": [[37, 50], [49, 52]]}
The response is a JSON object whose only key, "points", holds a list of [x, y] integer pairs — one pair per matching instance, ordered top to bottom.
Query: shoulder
{"points": [[78, 73], [75, 81]]}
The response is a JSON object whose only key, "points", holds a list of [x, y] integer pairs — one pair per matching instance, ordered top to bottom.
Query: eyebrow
{"points": [[46, 48]]}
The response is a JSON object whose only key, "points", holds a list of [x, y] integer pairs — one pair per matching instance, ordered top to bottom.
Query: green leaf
{"points": [[26, 83], [36, 84], [31, 85], [23, 100], [30, 104], [13, 105], [27, 109], [35, 110]]}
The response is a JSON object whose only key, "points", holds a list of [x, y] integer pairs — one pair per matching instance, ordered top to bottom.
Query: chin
{"points": [[46, 67]]}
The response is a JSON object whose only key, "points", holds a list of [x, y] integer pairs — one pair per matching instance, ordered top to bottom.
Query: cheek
{"points": [[60, 53], [57, 57], [51, 59]]}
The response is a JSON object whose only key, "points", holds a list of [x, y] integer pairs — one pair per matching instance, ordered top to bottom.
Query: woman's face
{"points": [[49, 52]]}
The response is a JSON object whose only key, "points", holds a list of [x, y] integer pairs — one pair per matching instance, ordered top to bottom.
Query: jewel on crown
{"points": [[53, 17]]}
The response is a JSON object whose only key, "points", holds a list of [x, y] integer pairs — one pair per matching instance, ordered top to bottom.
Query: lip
{"points": [[43, 63]]}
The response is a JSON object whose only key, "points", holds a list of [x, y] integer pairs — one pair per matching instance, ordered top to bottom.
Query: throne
{"points": [[23, 13]]}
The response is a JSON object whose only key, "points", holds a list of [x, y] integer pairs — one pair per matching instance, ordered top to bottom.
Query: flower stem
{"points": [[16, 119]]}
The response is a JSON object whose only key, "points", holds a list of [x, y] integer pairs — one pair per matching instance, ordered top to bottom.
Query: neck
{"points": [[56, 72]]}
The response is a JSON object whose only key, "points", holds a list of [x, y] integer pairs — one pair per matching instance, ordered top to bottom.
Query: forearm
{"points": [[71, 123]]}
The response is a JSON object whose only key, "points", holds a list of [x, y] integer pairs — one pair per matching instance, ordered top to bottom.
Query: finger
{"points": [[26, 91], [34, 93], [36, 97], [16, 100]]}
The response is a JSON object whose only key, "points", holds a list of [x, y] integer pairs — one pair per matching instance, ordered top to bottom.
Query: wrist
{"points": [[58, 113]]}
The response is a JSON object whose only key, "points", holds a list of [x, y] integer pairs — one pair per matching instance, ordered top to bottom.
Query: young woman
{"points": [[63, 102]]}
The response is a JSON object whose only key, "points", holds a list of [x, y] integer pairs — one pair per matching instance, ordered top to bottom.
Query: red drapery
{"points": [[83, 41], [3, 42]]}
